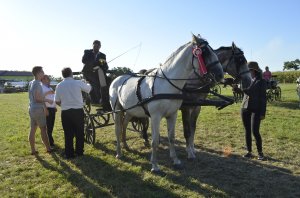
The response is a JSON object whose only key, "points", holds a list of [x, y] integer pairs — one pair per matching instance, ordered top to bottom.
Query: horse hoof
{"points": [[118, 156], [178, 166], [158, 173]]}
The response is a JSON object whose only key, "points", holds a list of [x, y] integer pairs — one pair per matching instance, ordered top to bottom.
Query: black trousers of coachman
{"points": [[73, 125]]}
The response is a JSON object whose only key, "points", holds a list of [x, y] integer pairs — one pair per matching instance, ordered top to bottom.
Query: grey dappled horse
{"points": [[235, 64], [128, 91]]}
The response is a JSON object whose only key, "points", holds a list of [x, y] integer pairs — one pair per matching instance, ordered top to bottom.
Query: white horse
{"points": [[235, 64], [298, 88], [128, 91]]}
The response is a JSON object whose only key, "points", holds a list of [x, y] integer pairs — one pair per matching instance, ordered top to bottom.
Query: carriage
{"points": [[273, 90], [159, 95], [95, 118]]}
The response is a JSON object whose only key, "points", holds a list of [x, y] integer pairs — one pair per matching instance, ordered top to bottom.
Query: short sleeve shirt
{"points": [[35, 87]]}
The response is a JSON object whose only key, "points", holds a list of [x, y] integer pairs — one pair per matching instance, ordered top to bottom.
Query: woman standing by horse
{"points": [[254, 109]]}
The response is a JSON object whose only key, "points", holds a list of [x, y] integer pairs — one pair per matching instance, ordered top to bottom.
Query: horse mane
{"points": [[223, 48], [228, 48], [171, 57]]}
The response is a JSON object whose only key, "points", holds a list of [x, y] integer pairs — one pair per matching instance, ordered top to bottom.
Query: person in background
{"points": [[94, 71], [267, 75], [68, 95], [51, 108], [253, 109], [37, 110]]}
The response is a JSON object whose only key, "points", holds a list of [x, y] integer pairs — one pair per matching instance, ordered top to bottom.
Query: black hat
{"points": [[252, 65]]}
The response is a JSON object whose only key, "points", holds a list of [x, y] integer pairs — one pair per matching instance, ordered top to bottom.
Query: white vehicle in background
{"points": [[15, 86]]}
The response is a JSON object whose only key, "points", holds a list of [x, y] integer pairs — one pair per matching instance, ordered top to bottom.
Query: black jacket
{"points": [[90, 61], [255, 98]]}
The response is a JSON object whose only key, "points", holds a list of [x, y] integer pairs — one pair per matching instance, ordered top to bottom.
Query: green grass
{"points": [[100, 174]]}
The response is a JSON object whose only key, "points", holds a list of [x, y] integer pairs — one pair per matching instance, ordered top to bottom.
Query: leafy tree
{"points": [[291, 65], [118, 71]]}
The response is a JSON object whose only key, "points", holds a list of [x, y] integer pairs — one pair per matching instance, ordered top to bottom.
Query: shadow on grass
{"points": [[288, 105], [210, 175], [213, 175], [236, 176], [97, 178], [76, 179]]}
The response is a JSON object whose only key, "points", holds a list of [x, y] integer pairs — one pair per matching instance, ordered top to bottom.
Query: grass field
{"points": [[99, 174]]}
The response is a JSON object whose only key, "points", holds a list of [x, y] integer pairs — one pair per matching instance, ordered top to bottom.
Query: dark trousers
{"points": [[93, 79], [50, 119], [251, 122], [73, 125]]}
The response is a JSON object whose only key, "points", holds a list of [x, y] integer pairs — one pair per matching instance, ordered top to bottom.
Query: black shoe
{"points": [[79, 154], [248, 155], [261, 156]]}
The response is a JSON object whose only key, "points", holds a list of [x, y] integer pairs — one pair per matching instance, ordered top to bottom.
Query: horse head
{"points": [[208, 62], [235, 64]]}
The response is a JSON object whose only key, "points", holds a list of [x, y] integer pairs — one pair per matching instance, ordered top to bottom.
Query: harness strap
{"points": [[170, 81], [152, 88], [139, 95]]}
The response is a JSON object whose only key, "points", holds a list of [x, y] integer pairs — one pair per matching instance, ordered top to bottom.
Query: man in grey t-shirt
{"points": [[37, 110]]}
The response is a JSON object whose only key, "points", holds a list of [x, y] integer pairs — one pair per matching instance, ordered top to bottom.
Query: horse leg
{"points": [[119, 116], [186, 117], [194, 117], [171, 121], [155, 122], [125, 124], [144, 132]]}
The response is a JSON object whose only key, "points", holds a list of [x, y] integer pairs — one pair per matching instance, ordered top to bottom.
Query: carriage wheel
{"points": [[277, 93], [270, 95], [240, 96], [237, 97], [87, 102], [102, 119], [140, 124], [89, 129]]}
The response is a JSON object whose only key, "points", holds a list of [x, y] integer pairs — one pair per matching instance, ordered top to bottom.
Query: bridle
{"points": [[199, 50], [239, 59]]}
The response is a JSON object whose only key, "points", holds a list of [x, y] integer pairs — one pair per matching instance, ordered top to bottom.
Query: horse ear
{"points": [[194, 38], [233, 45]]}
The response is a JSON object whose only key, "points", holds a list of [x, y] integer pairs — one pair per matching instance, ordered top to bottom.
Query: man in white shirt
{"points": [[68, 95], [51, 108]]}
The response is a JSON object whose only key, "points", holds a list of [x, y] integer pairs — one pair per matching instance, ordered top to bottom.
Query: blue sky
{"points": [[55, 33]]}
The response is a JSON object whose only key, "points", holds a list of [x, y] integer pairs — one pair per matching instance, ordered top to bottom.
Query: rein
{"points": [[225, 101]]}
